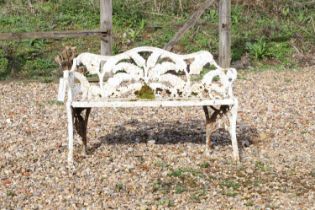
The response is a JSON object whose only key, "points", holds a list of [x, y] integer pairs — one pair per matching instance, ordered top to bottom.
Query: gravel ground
{"points": [[149, 158]]}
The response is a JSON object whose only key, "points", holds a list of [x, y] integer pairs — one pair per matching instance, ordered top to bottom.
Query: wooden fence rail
{"points": [[104, 32], [50, 35]]}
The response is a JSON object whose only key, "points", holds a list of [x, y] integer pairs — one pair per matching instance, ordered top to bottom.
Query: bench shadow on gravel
{"points": [[174, 132]]}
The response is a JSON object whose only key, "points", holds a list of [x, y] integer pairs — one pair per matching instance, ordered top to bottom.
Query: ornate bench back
{"points": [[166, 74]]}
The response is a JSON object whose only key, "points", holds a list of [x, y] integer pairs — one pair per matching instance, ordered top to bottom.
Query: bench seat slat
{"points": [[152, 103]]}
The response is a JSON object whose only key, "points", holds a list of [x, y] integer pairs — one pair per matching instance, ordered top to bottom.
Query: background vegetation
{"points": [[265, 33]]}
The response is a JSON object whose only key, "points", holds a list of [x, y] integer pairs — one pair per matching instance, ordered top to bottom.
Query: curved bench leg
{"points": [[87, 114], [232, 119], [81, 123], [211, 124], [208, 130], [70, 134], [84, 134]]}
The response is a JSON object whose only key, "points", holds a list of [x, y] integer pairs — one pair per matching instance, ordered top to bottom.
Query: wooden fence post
{"points": [[106, 25], [225, 33]]}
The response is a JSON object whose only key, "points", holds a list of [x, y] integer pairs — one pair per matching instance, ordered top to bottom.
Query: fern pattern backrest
{"points": [[167, 74]]}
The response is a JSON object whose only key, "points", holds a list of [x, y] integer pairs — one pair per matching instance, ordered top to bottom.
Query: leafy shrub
{"points": [[259, 49], [279, 50]]}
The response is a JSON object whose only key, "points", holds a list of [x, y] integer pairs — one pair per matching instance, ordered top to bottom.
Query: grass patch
{"points": [[55, 102], [161, 164], [204, 165], [261, 166], [180, 172], [177, 173], [179, 181], [229, 183], [161, 186], [119, 187], [230, 187], [179, 189], [10, 193], [230, 193], [197, 196], [166, 202], [249, 203]]}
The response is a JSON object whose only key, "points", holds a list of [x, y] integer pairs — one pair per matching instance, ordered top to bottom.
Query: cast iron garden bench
{"points": [[148, 77]]}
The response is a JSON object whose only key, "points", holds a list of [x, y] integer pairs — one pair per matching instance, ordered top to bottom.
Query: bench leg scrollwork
{"points": [[224, 110], [80, 123]]}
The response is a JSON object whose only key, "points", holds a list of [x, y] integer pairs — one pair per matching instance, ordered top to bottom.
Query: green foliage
{"points": [[285, 11], [127, 13], [237, 13], [52, 15], [212, 15], [303, 15], [265, 30], [133, 34], [258, 49], [238, 50], [282, 52], [4, 65], [39, 67], [145, 92], [55, 102], [161, 164], [204, 165], [261, 166], [180, 172], [177, 173], [229, 183], [162, 186], [119, 187], [229, 187], [179, 189], [11, 193], [198, 195], [166, 202], [249, 203]]}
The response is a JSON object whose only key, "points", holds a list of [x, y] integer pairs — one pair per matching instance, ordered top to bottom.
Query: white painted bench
{"points": [[173, 80]]}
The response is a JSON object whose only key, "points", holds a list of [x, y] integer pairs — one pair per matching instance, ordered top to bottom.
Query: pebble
{"points": [[151, 142], [249, 171]]}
